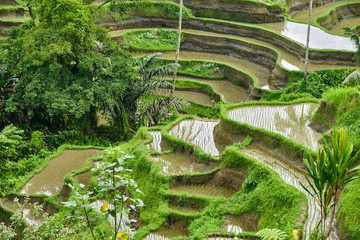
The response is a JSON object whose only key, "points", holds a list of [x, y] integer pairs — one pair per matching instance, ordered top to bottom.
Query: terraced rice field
{"points": [[303, 15], [192, 96], [290, 121], [198, 133], [179, 163], [56, 170], [204, 190]]}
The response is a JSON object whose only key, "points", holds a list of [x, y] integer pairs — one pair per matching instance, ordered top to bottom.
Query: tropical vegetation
{"points": [[74, 80]]}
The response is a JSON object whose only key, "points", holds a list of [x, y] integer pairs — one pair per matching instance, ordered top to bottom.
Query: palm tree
{"points": [[307, 41], [177, 49], [329, 173]]}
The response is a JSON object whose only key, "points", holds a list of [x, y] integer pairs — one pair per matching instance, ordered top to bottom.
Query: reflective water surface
{"points": [[290, 121], [197, 132]]}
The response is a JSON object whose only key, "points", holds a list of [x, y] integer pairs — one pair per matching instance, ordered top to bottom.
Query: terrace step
{"points": [[204, 190]]}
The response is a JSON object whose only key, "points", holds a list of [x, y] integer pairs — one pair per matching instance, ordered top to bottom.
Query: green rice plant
{"points": [[329, 173], [272, 234]]}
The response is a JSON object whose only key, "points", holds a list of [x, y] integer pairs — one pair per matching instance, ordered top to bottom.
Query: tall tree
{"points": [[308, 40], [177, 48]]}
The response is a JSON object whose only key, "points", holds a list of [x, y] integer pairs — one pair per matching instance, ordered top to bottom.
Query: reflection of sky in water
{"points": [[319, 39], [289, 66], [290, 121], [197, 132], [155, 144], [169, 168], [291, 177], [234, 229], [152, 236]]}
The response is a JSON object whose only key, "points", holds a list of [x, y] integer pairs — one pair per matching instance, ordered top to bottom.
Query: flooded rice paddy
{"points": [[318, 11], [350, 22], [319, 39], [285, 55], [289, 66], [261, 73], [230, 92], [192, 96], [290, 121], [197, 132], [155, 144], [180, 163], [293, 178], [50, 179], [204, 190], [185, 208], [28, 211], [237, 224], [175, 229]]}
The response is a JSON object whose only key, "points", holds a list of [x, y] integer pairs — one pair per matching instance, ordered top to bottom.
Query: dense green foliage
{"points": [[129, 9], [151, 40], [60, 74], [315, 86], [348, 215]]}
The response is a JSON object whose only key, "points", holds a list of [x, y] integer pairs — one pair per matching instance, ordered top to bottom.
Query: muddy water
{"points": [[318, 11], [351, 22], [319, 39], [261, 73], [230, 92], [191, 96], [290, 121], [197, 132], [155, 144], [179, 163], [291, 177], [84, 178], [50, 180], [205, 190], [185, 209], [28, 212], [237, 224], [175, 229]]}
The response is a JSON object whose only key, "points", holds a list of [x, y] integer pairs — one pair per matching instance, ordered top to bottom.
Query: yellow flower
{"points": [[105, 206], [123, 236]]}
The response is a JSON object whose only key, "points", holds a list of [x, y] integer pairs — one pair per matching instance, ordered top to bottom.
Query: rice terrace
{"points": [[159, 120]]}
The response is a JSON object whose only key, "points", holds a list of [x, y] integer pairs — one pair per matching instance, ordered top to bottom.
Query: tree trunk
{"points": [[37, 15], [307, 41], [177, 49]]}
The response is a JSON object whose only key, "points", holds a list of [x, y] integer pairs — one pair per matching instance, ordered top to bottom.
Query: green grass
{"points": [[142, 8], [152, 40], [349, 211]]}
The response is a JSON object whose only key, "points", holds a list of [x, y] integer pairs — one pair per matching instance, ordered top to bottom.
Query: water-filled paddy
{"points": [[318, 11], [319, 39], [259, 71], [231, 93], [191, 96], [290, 121], [197, 132], [155, 144], [179, 163], [290, 176], [50, 180], [204, 190], [28, 211]]}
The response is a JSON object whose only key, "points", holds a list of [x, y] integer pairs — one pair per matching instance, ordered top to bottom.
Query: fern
{"points": [[272, 234]]}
